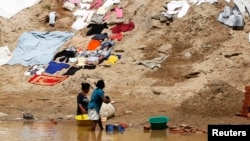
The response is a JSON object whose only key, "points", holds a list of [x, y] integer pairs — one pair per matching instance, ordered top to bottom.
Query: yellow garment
{"points": [[112, 59]]}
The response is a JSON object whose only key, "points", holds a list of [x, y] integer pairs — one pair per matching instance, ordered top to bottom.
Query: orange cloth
{"points": [[93, 44]]}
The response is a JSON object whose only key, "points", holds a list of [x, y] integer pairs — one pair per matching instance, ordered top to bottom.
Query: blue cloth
{"points": [[38, 47], [54, 67], [96, 100]]}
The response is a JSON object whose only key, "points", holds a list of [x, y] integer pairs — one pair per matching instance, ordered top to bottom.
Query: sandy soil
{"points": [[195, 43]]}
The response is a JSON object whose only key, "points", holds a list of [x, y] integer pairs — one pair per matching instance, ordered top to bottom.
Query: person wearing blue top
{"points": [[94, 107]]}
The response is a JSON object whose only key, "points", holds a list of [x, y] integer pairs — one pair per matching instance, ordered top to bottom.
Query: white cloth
{"points": [[87, 1], [198, 2], [84, 6], [174, 6], [9, 8], [86, 15], [52, 17], [79, 24], [5, 55], [93, 115]]}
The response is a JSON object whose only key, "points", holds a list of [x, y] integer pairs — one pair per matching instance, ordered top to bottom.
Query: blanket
{"points": [[38, 47], [46, 80]]}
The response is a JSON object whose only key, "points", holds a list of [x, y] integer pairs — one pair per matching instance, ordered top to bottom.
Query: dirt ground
{"points": [[196, 85]]}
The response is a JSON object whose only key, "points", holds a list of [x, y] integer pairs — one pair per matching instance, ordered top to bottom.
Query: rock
{"points": [[164, 48], [155, 91], [3, 114], [28, 116]]}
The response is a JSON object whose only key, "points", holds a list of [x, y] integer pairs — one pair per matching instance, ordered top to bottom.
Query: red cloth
{"points": [[122, 27], [117, 36], [46, 80]]}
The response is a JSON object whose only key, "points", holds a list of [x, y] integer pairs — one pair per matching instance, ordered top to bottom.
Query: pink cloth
{"points": [[96, 4], [119, 12], [107, 16], [122, 27]]}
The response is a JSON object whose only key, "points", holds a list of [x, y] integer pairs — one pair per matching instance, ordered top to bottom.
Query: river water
{"points": [[69, 131]]}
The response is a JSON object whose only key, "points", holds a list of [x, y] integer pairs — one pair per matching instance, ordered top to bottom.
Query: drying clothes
{"points": [[87, 1], [76, 2], [96, 4], [108, 4], [68, 5], [84, 6], [176, 7], [101, 10], [119, 12], [86, 15], [115, 16], [232, 17], [52, 18], [98, 19], [79, 24], [123, 27], [96, 28], [100, 36], [117, 36], [93, 44], [107, 44], [38, 47], [106, 49], [5, 55], [65, 55], [112, 59], [81, 61], [154, 63], [89, 66], [54, 67], [35, 69], [72, 70]]}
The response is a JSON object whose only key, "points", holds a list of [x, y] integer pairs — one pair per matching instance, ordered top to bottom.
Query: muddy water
{"points": [[69, 131]]}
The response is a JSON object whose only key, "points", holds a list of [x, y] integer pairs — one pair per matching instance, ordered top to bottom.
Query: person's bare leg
{"points": [[100, 123], [93, 125]]}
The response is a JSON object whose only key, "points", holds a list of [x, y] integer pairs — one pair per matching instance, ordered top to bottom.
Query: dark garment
{"points": [[122, 27], [96, 28], [100, 36], [107, 44], [65, 55], [89, 66], [72, 71], [83, 100]]}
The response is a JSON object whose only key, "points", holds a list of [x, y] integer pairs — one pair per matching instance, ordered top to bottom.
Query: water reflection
{"points": [[69, 131], [84, 134], [158, 135]]}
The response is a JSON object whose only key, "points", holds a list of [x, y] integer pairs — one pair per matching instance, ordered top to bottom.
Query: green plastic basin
{"points": [[158, 122]]}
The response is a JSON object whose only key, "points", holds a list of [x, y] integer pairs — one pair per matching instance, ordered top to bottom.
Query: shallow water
{"points": [[69, 131]]}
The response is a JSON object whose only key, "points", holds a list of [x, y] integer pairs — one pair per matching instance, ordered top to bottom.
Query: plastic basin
{"points": [[83, 120], [158, 122]]}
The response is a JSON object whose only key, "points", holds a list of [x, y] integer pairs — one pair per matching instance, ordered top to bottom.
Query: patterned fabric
{"points": [[46, 80]]}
